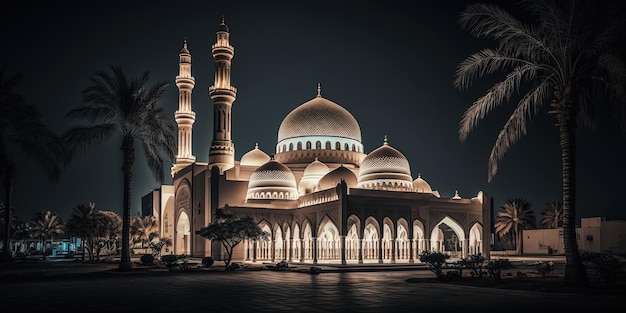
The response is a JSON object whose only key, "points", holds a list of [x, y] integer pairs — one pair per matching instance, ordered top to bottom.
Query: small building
{"points": [[595, 234]]}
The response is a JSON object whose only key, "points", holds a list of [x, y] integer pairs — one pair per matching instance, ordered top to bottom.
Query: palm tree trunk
{"points": [[129, 158], [9, 174], [575, 272]]}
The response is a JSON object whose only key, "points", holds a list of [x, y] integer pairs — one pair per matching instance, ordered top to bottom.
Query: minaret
{"points": [[185, 117], [222, 151]]}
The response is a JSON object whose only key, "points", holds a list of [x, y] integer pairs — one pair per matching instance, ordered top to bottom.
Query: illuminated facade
{"points": [[319, 195]]}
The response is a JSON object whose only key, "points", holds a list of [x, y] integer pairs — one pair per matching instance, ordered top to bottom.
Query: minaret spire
{"points": [[319, 90], [184, 116], [222, 151]]}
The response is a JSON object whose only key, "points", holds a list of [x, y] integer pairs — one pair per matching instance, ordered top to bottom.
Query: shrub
{"points": [[147, 259], [207, 261], [435, 261], [473, 262], [605, 265], [495, 267], [544, 268]]}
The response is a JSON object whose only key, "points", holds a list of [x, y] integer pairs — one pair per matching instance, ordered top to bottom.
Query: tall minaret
{"points": [[185, 117], [222, 151]]}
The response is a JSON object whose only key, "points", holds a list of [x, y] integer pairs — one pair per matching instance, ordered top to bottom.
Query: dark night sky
{"points": [[390, 63]]}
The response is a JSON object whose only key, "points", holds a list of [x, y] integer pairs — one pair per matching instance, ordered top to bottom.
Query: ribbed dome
{"points": [[319, 117], [254, 157], [385, 168], [311, 176], [335, 176], [272, 180], [420, 185]]}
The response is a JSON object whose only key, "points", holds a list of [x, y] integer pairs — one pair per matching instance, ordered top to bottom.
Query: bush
{"points": [[147, 259], [207, 261], [435, 261], [605, 265], [495, 267]]}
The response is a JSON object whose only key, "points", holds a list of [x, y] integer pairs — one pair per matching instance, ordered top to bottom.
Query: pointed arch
{"points": [[353, 237], [448, 237], [371, 239], [328, 240], [297, 243], [475, 243], [182, 244], [403, 244], [263, 247]]}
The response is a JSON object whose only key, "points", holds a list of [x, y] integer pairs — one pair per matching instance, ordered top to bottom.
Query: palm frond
{"points": [[494, 97], [80, 139]]}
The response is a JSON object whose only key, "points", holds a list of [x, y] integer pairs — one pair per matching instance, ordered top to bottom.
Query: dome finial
{"points": [[223, 19], [319, 90], [385, 141], [256, 145], [419, 175], [456, 195]]}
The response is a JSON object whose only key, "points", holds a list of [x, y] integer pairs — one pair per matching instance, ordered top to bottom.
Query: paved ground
{"points": [[67, 286]]}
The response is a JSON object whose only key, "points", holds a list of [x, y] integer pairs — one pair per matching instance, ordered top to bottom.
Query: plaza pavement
{"points": [[57, 285]]}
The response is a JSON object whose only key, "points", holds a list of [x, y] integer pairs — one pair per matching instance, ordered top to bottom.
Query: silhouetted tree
{"points": [[567, 55], [126, 108], [21, 126], [552, 215], [512, 218], [81, 223], [47, 225], [144, 229], [230, 231]]}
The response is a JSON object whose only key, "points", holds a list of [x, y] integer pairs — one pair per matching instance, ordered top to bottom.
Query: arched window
{"points": [[308, 145], [318, 145], [328, 145], [337, 145], [291, 146], [299, 146], [347, 147], [353, 148]]}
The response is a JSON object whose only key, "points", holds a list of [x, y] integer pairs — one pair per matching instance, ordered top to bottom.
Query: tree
{"points": [[567, 56], [117, 105], [21, 126], [552, 215], [512, 218], [81, 223], [47, 225], [144, 229], [230, 231], [157, 247]]}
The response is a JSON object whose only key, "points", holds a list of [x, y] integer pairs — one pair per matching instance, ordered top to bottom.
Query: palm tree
{"points": [[567, 59], [117, 105], [21, 126], [552, 215], [512, 218], [81, 223], [47, 225], [144, 229]]}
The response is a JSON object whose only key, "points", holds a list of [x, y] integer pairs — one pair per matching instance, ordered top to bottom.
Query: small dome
{"points": [[223, 27], [184, 50], [254, 157], [385, 168], [311, 176], [335, 176], [272, 180], [420, 185]]}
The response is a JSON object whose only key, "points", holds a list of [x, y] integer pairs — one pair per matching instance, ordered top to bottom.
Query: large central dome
{"points": [[319, 117], [319, 129]]}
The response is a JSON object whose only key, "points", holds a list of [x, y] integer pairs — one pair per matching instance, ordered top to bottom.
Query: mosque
{"points": [[320, 195]]}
